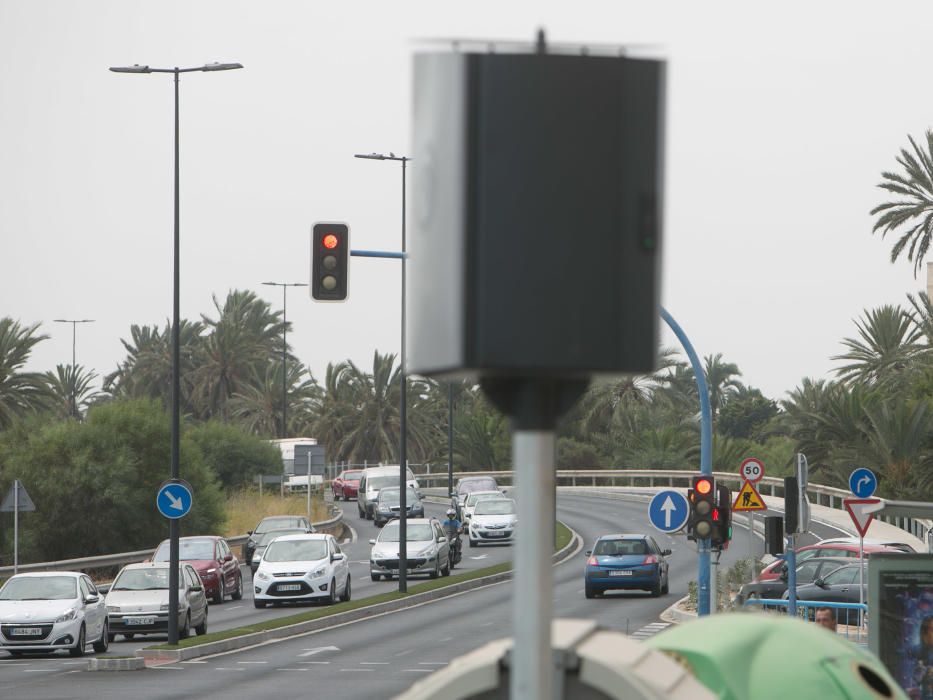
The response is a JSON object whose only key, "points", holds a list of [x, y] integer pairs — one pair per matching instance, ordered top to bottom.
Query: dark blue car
{"points": [[626, 562]]}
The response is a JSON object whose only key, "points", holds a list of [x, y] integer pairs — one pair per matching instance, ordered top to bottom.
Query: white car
{"points": [[475, 497], [493, 521], [427, 549], [298, 568], [138, 600], [47, 611]]}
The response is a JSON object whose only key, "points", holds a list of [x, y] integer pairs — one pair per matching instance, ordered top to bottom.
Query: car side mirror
{"points": [[249, 532], [441, 539], [372, 541], [587, 552], [666, 552], [228, 557], [820, 582], [197, 588], [91, 599]]}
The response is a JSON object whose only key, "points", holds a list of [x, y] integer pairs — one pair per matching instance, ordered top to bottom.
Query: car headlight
{"points": [[318, 573], [262, 576], [113, 608], [69, 614]]}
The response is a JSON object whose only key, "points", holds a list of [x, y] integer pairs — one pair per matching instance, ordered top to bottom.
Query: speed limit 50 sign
{"points": [[752, 470]]}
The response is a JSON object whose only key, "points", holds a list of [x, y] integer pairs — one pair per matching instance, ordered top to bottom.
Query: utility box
{"points": [[537, 205]]}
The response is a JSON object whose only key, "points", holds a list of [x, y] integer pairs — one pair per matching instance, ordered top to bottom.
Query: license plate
{"points": [[495, 534], [620, 573], [289, 586], [139, 620], [26, 631]]}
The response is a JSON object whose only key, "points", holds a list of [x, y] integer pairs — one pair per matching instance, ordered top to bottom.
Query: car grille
{"points": [[494, 527], [393, 563], [294, 574], [303, 590], [44, 630]]}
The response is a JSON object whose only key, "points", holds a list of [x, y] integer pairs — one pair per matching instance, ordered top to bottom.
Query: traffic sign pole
{"points": [[15, 526]]}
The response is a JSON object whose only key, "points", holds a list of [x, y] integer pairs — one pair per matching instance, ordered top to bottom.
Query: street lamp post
{"points": [[285, 285], [176, 352], [74, 367], [403, 399]]}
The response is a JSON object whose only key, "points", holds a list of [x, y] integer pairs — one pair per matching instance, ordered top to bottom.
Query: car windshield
{"points": [[351, 476], [478, 485], [390, 495], [477, 496], [495, 507], [277, 524], [414, 533], [267, 537], [620, 548], [188, 550], [296, 550], [144, 580], [39, 588]]}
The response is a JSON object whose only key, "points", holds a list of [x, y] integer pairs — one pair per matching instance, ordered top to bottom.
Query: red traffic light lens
{"points": [[330, 241], [703, 486]]}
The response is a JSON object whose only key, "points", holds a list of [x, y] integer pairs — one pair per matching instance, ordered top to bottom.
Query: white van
{"points": [[373, 479]]}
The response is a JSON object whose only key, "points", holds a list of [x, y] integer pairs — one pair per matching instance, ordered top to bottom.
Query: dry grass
{"points": [[246, 508]]}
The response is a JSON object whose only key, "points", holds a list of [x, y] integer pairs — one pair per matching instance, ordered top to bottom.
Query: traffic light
{"points": [[330, 257], [702, 498], [722, 518]]}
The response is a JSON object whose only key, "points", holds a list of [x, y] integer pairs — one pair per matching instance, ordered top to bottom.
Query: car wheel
{"points": [[359, 511], [369, 514], [472, 542], [437, 569], [446, 570], [375, 577], [666, 588], [656, 589], [346, 591], [589, 591], [221, 593], [238, 593], [332, 598], [259, 603], [202, 628], [185, 630], [129, 636], [111, 637], [102, 644], [78, 648]]}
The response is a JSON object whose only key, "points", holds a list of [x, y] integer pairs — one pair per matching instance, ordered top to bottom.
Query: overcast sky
{"points": [[779, 125]]}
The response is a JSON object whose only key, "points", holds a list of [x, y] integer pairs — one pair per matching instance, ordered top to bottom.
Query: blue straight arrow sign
{"points": [[668, 511]]}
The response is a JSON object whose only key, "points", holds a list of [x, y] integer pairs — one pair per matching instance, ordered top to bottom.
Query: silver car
{"points": [[493, 521], [428, 551], [138, 601], [52, 610]]}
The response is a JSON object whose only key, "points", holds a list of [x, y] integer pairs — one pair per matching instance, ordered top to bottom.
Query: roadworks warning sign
{"points": [[748, 498]]}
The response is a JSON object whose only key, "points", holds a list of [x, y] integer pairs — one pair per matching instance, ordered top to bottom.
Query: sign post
{"points": [[752, 470], [16, 500], [861, 517]]}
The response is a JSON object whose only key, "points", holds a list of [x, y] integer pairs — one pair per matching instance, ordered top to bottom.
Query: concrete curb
{"points": [[675, 615], [167, 656], [102, 663]]}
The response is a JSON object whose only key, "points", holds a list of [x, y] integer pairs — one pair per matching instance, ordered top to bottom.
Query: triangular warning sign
{"points": [[748, 498], [22, 503], [858, 511]]}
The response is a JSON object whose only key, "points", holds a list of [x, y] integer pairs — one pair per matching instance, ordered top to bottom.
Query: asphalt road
{"points": [[381, 656]]}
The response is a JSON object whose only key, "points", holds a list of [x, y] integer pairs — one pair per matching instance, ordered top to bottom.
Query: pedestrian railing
{"points": [[851, 618]]}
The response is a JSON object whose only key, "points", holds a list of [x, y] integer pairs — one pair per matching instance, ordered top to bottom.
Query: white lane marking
{"points": [[352, 532], [481, 556], [362, 561], [234, 607], [490, 623], [649, 630], [445, 639], [317, 650], [405, 653], [194, 662], [246, 662], [74, 663], [320, 663], [374, 663], [433, 663], [168, 668], [222, 668], [291, 669], [38, 670], [358, 670], [416, 670]]}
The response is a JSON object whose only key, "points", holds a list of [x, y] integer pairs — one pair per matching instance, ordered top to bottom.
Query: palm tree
{"points": [[913, 211], [887, 346], [71, 390], [21, 393], [258, 405]]}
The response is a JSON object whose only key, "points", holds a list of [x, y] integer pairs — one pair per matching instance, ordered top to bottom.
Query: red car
{"points": [[345, 486], [836, 549], [217, 566]]}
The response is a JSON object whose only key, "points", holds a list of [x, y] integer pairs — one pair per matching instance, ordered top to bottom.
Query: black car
{"points": [[387, 505], [273, 522], [807, 572], [838, 586]]}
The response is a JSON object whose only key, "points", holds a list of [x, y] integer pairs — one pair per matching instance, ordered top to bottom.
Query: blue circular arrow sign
{"points": [[863, 482], [174, 499], [668, 511]]}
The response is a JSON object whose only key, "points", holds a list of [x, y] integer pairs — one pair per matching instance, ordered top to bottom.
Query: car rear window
{"points": [[478, 485], [620, 548], [187, 551]]}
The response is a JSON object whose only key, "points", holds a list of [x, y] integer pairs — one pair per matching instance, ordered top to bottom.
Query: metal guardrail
{"points": [[828, 496], [106, 560], [854, 616]]}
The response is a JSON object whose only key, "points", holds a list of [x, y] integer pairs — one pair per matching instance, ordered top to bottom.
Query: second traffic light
{"points": [[330, 258], [702, 507], [722, 518]]}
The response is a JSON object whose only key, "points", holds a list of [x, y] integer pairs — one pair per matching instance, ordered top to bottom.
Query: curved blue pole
{"points": [[704, 593]]}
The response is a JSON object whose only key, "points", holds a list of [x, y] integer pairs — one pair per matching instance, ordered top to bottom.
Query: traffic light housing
{"points": [[330, 258], [703, 508], [722, 518]]}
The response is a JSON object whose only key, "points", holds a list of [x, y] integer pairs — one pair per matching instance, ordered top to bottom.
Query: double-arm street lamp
{"points": [[285, 285], [74, 367], [176, 381], [403, 399]]}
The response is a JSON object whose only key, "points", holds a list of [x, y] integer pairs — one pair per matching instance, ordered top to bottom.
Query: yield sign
{"points": [[748, 498], [858, 511]]}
